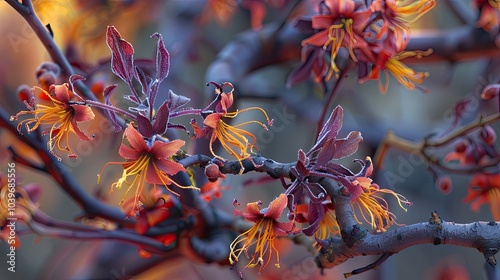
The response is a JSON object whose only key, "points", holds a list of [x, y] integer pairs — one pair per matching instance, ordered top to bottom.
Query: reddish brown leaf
{"points": [[122, 61]]}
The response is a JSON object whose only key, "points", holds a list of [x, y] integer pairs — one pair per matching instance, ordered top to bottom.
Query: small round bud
{"points": [[48, 67], [46, 80], [490, 91], [25, 95], [488, 135], [461, 146], [212, 172], [444, 185]]}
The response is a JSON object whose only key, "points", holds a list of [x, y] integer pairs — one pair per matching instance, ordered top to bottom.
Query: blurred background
{"points": [[194, 40]]}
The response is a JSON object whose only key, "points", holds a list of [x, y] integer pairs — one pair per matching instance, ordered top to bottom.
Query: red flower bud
{"points": [[48, 67], [46, 80], [490, 91], [26, 96], [488, 135], [461, 146], [212, 172], [444, 185]]}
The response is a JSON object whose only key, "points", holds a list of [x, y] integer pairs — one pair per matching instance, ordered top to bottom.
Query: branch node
{"points": [[344, 192], [435, 219], [350, 236], [489, 255]]}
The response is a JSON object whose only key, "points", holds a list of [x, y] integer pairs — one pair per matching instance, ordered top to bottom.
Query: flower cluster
{"points": [[374, 37], [62, 116], [476, 150], [318, 163], [308, 201], [262, 234]]}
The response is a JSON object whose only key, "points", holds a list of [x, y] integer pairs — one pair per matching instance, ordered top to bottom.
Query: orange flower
{"points": [[397, 14], [489, 18], [341, 27], [403, 74], [62, 117], [232, 138], [147, 163], [485, 188], [373, 208], [262, 234]]}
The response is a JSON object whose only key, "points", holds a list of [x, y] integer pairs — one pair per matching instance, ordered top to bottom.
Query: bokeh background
{"points": [[79, 28]]}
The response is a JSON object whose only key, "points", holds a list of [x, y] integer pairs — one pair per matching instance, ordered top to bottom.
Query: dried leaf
{"points": [[143, 79]]}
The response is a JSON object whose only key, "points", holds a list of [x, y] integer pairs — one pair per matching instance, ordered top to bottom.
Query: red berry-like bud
{"points": [[48, 67], [46, 80], [490, 91], [26, 96], [488, 135], [461, 146], [212, 172], [444, 185]]}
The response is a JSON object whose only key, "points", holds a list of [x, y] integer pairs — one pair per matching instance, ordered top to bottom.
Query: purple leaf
{"points": [[162, 58], [122, 61], [143, 79], [155, 85], [107, 93], [131, 98], [176, 101], [111, 114], [161, 121], [144, 126], [330, 128], [347, 146], [326, 152], [337, 169], [315, 214]]}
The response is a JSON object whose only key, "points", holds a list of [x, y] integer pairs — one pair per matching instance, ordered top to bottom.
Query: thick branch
{"points": [[482, 236], [355, 241]]}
